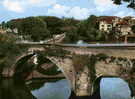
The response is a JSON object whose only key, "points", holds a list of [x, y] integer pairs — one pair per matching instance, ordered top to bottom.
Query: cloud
{"points": [[35, 1], [103, 2], [42, 3], [104, 5], [14, 6], [20, 6], [58, 9], [79, 9], [67, 11], [79, 13], [124, 13]]}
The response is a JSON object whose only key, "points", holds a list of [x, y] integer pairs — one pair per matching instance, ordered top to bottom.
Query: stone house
{"points": [[130, 20], [106, 23], [117, 24], [105, 26], [124, 28]]}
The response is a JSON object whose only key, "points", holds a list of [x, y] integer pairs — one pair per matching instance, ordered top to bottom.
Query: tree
{"points": [[131, 3], [91, 21], [70, 22], [15, 23], [3, 24], [54, 24], [34, 27], [70, 27], [133, 28], [88, 30], [71, 34], [8, 50]]}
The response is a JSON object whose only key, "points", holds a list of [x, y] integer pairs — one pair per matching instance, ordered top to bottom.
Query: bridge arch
{"points": [[64, 64], [21, 65], [97, 83]]}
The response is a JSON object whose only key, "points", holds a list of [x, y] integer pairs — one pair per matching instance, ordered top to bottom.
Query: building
{"points": [[130, 20], [106, 23], [117, 24], [105, 26], [124, 28]]}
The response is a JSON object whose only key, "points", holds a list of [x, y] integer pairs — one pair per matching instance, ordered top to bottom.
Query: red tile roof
{"points": [[107, 19], [123, 23]]}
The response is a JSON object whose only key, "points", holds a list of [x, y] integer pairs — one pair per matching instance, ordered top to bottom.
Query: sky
{"points": [[78, 9]]}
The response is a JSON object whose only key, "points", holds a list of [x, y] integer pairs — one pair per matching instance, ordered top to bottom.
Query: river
{"points": [[110, 88]]}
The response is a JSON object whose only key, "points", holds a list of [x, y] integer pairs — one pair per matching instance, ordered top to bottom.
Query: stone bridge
{"points": [[83, 66]]}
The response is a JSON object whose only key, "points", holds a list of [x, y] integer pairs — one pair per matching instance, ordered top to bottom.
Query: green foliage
{"points": [[117, 2], [131, 3], [91, 21], [70, 22], [3, 24], [14, 24], [54, 24], [30, 26], [35, 27], [44, 27], [133, 28], [88, 30], [71, 34], [8, 49], [56, 51], [101, 56], [88, 61], [78, 63], [91, 66], [50, 71]]}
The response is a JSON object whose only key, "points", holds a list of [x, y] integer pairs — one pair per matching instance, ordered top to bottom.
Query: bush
{"points": [[8, 49]]}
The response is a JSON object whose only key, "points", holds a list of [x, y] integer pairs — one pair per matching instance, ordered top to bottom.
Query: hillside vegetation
{"points": [[43, 27]]}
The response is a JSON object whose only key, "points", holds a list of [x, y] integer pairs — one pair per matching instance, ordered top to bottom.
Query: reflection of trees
{"points": [[46, 67], [52, 70], [38, 83], [11, 90]]}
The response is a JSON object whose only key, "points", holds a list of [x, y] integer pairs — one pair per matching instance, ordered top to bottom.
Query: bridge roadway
{"points": [[81, 45], [100, 45], [116, 50]]}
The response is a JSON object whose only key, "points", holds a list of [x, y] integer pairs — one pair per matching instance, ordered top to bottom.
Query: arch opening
{"points": [[44, 65], [22, 66], [45, 68], [111, 87]]}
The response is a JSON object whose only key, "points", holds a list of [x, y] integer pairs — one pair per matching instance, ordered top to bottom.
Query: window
{"points": [[102, 25], [109, 25], [108, 28], [102, 29]]}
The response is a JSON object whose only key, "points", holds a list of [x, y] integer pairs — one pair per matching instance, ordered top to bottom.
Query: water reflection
{"points": [[110, 88], [114, 88], [11, 90], [54, 90]]}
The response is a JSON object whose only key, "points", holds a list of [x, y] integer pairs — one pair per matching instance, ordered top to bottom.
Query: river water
{"points": [[110, 88]]}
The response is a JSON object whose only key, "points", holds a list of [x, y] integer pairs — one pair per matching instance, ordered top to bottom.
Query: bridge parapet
{"points": [[117, 50]]}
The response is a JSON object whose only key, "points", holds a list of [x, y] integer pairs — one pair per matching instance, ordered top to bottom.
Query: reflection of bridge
{"points": [[83, 65]]}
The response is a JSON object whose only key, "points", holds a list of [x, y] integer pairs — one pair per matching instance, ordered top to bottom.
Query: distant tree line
{"points": [[43, 27]]}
